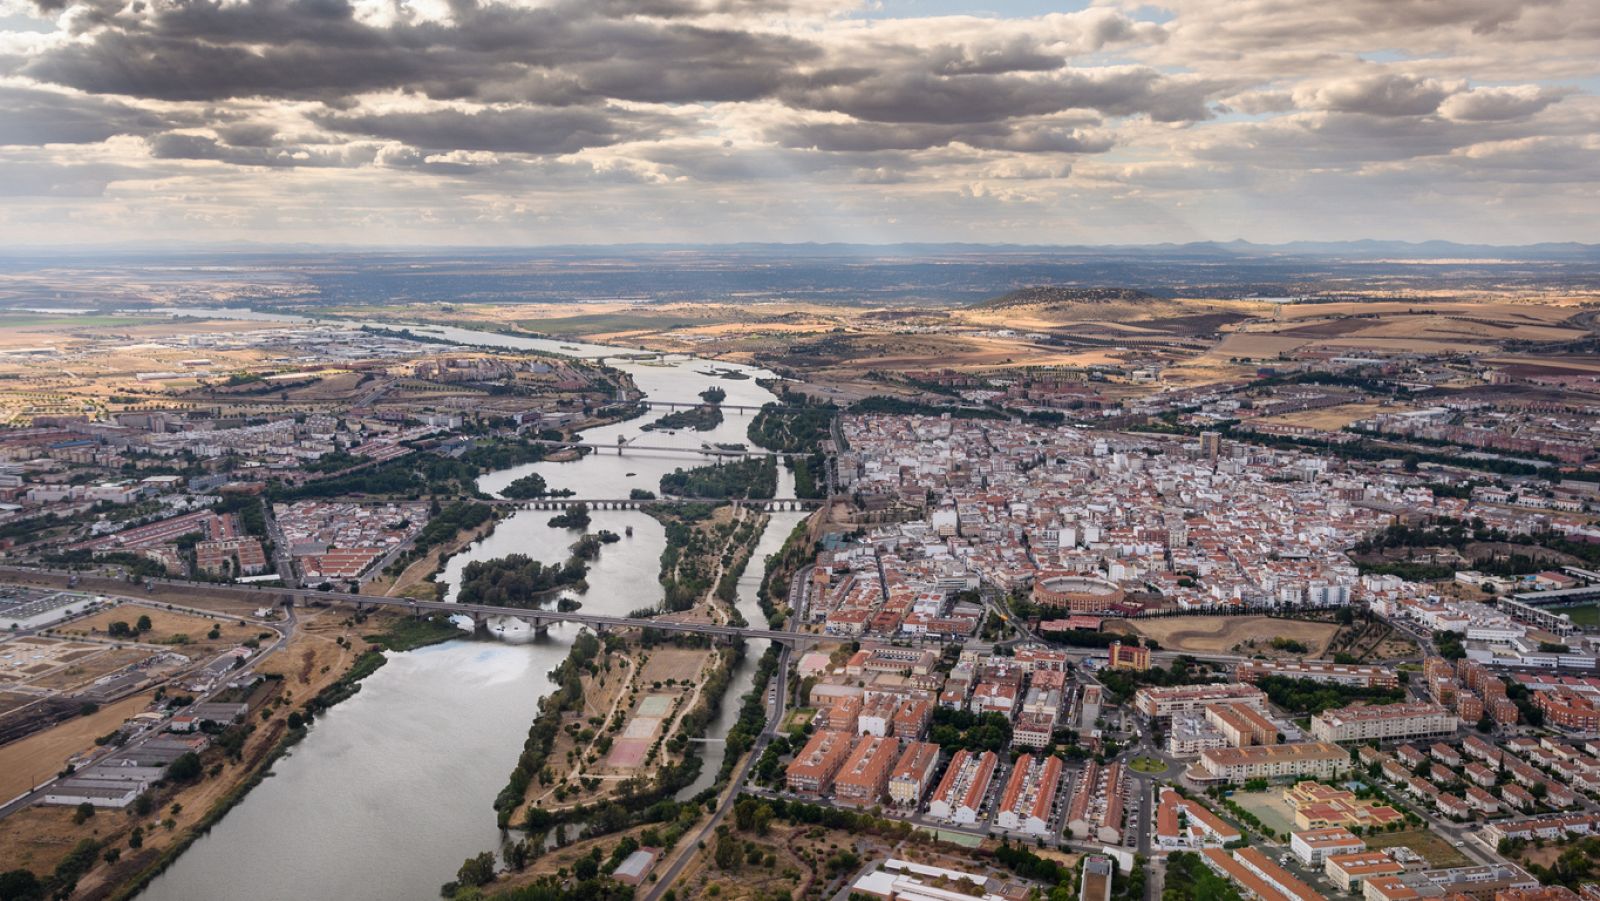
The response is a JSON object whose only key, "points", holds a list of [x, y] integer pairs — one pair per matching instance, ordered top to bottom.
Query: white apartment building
{"points": [[1383, 722], [1310, 759]]}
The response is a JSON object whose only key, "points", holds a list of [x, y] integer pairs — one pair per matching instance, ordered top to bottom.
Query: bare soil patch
{"points": [[1221, 634], [25, 763]]}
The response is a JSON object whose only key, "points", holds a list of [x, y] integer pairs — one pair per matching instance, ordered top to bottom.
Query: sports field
{"points": [[1586, 615], [1269, 807]]}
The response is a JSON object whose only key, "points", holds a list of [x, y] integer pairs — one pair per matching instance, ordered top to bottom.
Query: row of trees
{"points": [[1309, 697]]}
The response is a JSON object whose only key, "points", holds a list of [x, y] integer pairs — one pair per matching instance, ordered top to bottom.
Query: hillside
{"points": [[1045, 295]]}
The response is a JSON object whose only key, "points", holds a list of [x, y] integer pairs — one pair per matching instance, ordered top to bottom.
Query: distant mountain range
{"points": [[1367, 249]]}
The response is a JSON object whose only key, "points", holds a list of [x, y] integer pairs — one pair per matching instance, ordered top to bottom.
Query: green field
{"points": [[1587, 615]]}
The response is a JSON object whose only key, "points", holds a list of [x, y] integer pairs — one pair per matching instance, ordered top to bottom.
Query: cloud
{"points": [[910, 95], [1378, 95], [1498, 104], [34, 116], [667, 119], [533, 130], [182, 146]]}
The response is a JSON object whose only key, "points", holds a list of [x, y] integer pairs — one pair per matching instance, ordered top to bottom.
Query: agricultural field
{"points": [[1225, 634]]}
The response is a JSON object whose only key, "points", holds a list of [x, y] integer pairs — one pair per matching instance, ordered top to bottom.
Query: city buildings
{"points": [[1134, 657], [1328, 673], [1158, 702], [1384, 722], [1241, 724], [1321, 760], [812, 770], [912, 772], [864, 775], [959, 797], [1028, 802], [1319, 806], [1096, 810], [1187, 824], [1548, 827], [1312, 846], [1351, 870], [1257, 876], [897, 879], [1479, 883]]}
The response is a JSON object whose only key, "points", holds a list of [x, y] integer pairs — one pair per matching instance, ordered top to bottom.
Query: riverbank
{"points": [[323, 663], [429, 712]]}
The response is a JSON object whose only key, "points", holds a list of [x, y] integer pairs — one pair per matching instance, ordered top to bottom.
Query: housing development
{"points": [[719, 631]]}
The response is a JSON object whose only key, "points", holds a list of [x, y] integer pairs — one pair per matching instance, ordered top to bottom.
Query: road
{"points": [[536, 617], [735, 787]]}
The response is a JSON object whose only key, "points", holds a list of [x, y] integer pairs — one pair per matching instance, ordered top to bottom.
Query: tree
{"points": [[143, 624], [119, 629], [185, 769], [85, 810], [744, 814], [727, 852], [588, 866], [477, 870], [20, 885]]}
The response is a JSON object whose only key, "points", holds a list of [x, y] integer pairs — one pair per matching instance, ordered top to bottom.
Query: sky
{"points": [[525, 122]]}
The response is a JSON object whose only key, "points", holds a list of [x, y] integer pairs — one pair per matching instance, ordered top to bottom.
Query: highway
{"points": [[710, 451], [634, 503], [305, 595]]}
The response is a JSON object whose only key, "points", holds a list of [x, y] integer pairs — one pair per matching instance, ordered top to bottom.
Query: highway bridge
{"points": [[689, 405], [705, 450], [629, 503], [479, 613]]}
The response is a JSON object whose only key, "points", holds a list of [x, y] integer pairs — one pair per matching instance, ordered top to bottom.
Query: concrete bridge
{"points": [[689, 405], [709, 450], [625, 503], [539, 620]]}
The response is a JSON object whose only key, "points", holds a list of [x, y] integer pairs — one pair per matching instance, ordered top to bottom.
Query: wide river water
{"points": [[393, 788]]}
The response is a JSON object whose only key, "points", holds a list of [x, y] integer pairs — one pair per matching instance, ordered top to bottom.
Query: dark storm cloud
{"points": [[317, 49], [909, 95], [31, 116], [521, 130], [858, 137], [175, 146]]}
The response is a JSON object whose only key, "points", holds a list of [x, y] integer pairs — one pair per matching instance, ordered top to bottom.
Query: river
{"points": [[392, 789]]}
